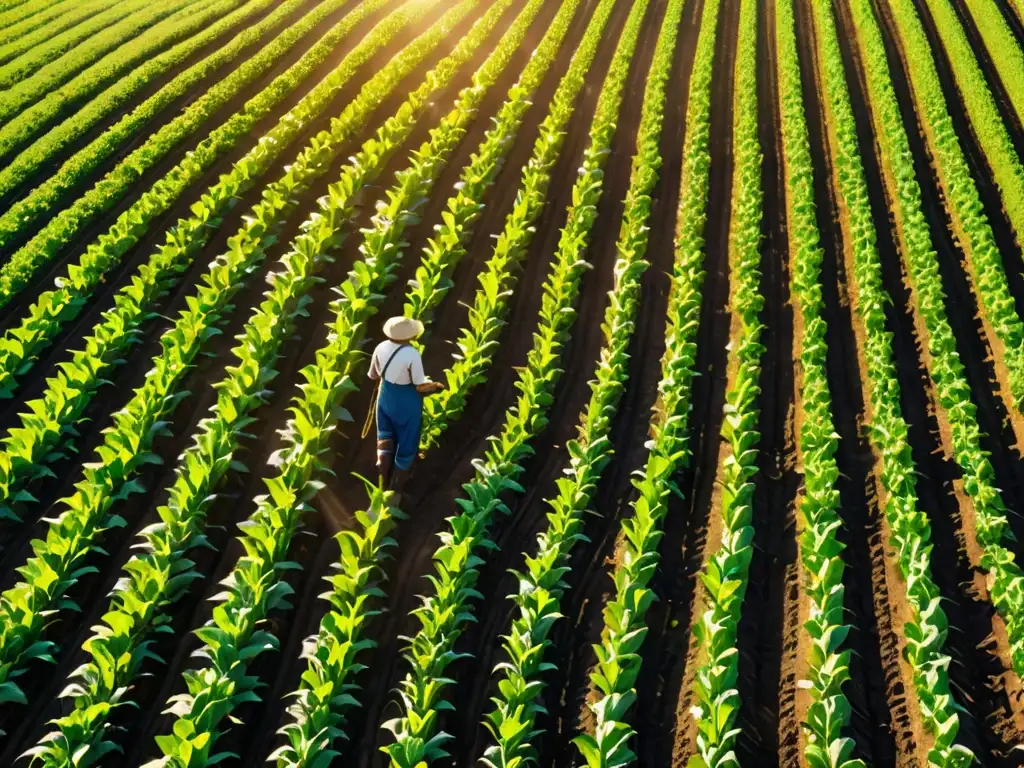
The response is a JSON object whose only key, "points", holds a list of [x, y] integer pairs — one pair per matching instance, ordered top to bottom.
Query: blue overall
{"points": [[399, 418]]}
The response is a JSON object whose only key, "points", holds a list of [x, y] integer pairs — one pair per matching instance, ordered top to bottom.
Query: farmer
{"points": [[398, 366]]}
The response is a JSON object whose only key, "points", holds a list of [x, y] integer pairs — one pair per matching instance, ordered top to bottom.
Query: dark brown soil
{"points": [[767, 654], [875, 696], [885, 724]]}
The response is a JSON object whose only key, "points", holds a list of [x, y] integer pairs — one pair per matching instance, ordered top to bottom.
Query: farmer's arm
{"points": [[374, 372], [419, 378]]}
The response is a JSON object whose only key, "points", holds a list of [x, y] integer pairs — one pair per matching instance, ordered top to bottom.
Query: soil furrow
{"points": [[995, 84], [166, 116], [976, 158], [15, 308], [208, 367], [436, 482], [936, 493], [236, 500], [694, 513], [518, 532], [767, 654], [874, 692]]}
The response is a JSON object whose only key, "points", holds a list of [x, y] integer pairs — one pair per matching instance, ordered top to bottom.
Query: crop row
{"points": [[9, 10], [29, 17], [38, 19], [80, 21], [150, 25], [1003, 48], [24, 54], [33, 60], [126, 71], [989, 127], [45, 149], [134, 222], [970, 225], [186, 239], [445, 249], [56, 307], [479, 339], [944, 365], [127, 443], [28, 449], [203, 465], [821, 551], [726, 573], [443, 614], [624, 630], [925, 633], [233, 636], [318, 714], [513, 721]]}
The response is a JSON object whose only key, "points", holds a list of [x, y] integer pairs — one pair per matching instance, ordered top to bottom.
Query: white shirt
{"points": [[405, 368]]}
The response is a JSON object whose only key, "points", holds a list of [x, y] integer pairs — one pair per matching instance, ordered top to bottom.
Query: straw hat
{"points": [[402, 328]]}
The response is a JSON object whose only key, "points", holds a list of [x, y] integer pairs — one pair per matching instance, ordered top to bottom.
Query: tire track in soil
{"points": [[129, 263], [437, 482], [235, 501], [767, 651], [874, 690], [985, 726]]}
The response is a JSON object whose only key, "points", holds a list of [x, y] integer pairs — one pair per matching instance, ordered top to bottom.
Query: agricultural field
{"points": [[728, 301]]}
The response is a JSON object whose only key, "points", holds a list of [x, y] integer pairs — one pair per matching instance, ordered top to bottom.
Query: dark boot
{"points": [[385, 455], [398, 478]]}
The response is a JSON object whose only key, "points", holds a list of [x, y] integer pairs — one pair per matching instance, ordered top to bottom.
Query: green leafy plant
{"points": [[16, 22], [65, 26], [82, 72], [30, 164], [134, 223], [53, 309], [1003, 325], [478, 342], [955, 402], [50, 424], [821, 552], [725, 575], [25, 607], [442, 614], [624, 630], [925, 633], [327, 689], [213, 692], [512, 723]]}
